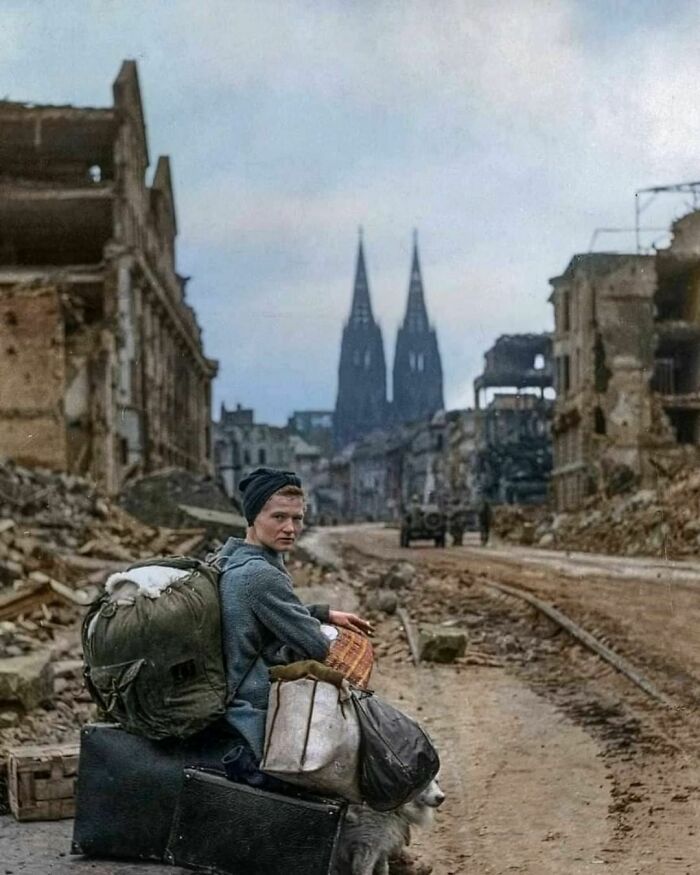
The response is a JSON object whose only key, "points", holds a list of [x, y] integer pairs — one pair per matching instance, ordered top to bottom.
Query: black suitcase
{"points": [[128, 787], [231, 829]]}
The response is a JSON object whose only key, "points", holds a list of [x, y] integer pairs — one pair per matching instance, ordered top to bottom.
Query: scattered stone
{"points": [[399, 576], [382, 600], [441, 643], [67, 668], [26, 679], [8, 719]]}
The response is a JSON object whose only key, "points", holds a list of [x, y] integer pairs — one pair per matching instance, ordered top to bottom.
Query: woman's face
{"points": [[279, 523]]}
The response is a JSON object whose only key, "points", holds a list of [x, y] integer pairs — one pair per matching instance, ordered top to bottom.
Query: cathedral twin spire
{"points": [[361, 405]]}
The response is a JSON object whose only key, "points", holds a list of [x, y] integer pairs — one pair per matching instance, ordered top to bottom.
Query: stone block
{"points": [[399, 576], [382, 600], [441, 643], [26, 680]]}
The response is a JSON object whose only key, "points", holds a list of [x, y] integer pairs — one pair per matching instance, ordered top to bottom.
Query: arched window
{"points": [[368, 359]]}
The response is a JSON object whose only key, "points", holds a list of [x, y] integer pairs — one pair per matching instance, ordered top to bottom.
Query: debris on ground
{"points": [[177, 498], [661, 522], [59, 539], [438, 643]]}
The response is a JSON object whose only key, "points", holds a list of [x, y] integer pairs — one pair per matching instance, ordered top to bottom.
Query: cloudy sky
{"points": [[505, 132]]}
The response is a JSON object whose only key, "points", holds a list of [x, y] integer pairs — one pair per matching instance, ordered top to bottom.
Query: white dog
{"points": [[368, 838]]}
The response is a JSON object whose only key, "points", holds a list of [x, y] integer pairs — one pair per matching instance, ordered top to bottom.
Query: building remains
{"points": [[627, 349], [102, 370], [241, 445], [513, 455]]}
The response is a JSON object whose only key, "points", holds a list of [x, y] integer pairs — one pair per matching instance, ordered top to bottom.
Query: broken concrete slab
{"points": [[441, 643], [27, 680]]}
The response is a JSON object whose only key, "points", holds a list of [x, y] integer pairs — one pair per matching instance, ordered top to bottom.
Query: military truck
{"points": [[425, 522]]}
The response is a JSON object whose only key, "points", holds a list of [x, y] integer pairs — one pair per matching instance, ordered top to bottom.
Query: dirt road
{"points": [[553, 763]]}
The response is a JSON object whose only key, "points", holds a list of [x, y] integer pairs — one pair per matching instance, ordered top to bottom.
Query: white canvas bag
{"points": [[312, 737]]}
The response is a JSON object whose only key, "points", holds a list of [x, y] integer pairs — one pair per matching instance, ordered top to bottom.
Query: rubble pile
{"points": [[163, 498], [650, 522], [58, 526], [59, 538]]}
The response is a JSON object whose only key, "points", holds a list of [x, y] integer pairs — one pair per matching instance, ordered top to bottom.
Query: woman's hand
{"points": [[350, 621]]}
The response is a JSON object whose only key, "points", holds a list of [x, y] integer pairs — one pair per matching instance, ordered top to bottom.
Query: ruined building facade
{"points": [[627, 349], [102, 370], [362, 406], [241, 445], [513, 446]]}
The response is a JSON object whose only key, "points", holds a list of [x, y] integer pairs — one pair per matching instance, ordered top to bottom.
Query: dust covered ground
{"points": [[552, 761]]}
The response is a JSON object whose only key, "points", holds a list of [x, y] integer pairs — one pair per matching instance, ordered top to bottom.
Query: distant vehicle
{"points": [[425, 522]]}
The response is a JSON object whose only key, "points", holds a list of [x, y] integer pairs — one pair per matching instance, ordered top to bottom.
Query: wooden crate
{"points": [[41, 781]]}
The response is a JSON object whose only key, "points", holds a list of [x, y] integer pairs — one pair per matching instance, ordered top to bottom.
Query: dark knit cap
{"points": [[259, 485]]}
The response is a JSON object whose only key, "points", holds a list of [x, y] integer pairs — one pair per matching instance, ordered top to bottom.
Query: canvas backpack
{"points": [[156, 665]]}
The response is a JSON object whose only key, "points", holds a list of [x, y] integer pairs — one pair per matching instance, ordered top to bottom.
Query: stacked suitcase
{"points": [[167, 800]]}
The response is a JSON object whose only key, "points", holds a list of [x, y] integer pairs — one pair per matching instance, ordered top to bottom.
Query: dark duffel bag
{"points": [[397, 757], [128, 787], [232, 829]]}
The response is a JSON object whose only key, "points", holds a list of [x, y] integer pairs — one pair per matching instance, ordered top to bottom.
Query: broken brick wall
{"points": [[32, 376]]}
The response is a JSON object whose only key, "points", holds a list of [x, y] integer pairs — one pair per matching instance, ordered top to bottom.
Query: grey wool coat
{"points": [[263, 624]]}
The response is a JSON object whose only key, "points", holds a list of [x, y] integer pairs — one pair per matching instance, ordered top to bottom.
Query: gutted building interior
{"points": [[627, 363], [102, 370], [513, 444]]}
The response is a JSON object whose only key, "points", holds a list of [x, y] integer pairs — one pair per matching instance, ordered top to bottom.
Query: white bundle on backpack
{"points": [[312, 737]]}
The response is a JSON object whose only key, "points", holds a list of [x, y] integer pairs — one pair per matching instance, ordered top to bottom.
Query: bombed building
{"points": [[627, 351], [102, 370], [241, 445], [513, 455]]}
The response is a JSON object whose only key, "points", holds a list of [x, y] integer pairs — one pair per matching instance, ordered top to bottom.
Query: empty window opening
{"points": [[95, 173], [566, 312], [368, 359], [420, 361], [538, 364], [600, 368], [664, 379], [600, 424], [685, 424], [262, 456]]}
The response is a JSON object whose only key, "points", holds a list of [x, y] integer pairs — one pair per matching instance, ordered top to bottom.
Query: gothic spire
{"points": [[361, 310], [416, 318], [417, 366]]}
